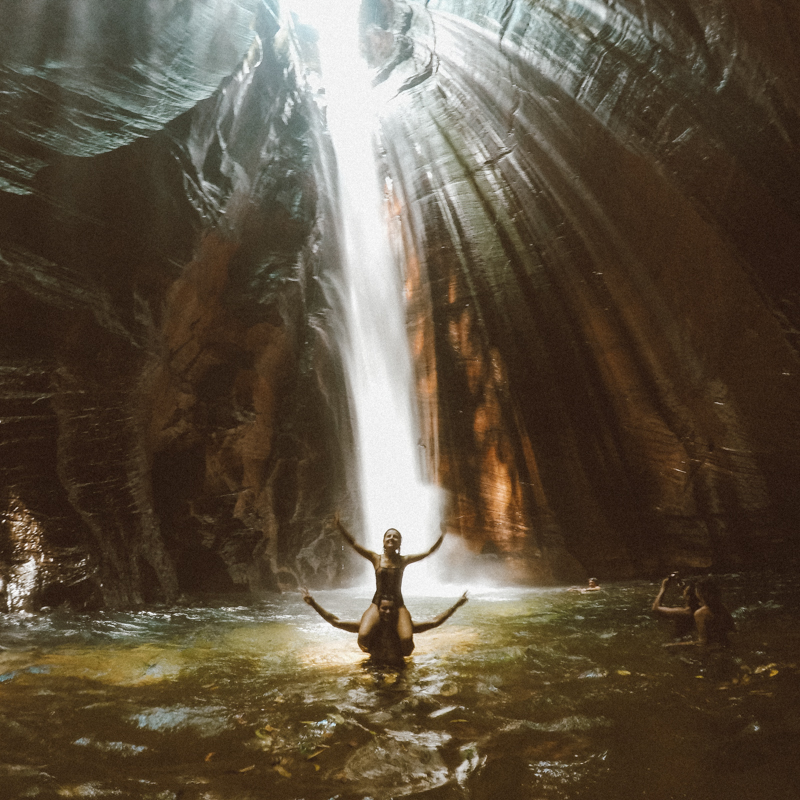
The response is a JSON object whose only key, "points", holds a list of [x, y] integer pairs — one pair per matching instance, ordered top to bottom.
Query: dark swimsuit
{"points": [[388, 582]]}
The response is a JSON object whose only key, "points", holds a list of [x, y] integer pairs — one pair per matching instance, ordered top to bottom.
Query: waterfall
{"points": [[377, 354]]}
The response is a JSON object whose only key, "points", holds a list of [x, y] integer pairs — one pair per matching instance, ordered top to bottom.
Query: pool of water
{"points": [[529, 694]]}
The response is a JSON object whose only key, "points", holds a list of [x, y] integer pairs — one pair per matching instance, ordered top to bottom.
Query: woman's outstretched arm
{"points": [[348, 537], [419, 556], [667, 611], [332, 619], [421, 627]]}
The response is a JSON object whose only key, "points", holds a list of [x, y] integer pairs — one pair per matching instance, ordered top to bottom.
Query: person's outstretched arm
{"points": [[348, 537], [419, 556], [667, 611], [350, 627], [421, 627]]}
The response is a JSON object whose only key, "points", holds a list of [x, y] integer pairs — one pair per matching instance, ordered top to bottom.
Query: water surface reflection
{"points": [[522, 694]]}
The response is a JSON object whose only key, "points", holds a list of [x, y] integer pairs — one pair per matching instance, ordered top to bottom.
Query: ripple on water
{"points": [[538, 695], [203, 720]]}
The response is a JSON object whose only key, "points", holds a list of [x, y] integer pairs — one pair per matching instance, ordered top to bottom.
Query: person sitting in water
{"points": [[389, 567], [593, 586], [683, 616], [712, 619], [383, 642]]}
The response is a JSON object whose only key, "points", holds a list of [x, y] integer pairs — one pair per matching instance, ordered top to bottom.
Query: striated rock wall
{"points": [[596, 206], [599, 206], [173, 419]]}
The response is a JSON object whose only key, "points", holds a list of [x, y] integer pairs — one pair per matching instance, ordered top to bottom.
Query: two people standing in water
{"points": [[703, 612], [386, 628]]}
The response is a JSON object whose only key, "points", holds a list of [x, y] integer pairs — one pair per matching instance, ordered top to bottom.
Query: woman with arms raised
{"points": [[389, 566]]}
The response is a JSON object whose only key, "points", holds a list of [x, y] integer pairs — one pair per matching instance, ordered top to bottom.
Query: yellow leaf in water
{"points": [[623, 672], [773, 673], [263, 733], [314, 755], [208, 757], [316, 767], [247, 769], [282, 771]]}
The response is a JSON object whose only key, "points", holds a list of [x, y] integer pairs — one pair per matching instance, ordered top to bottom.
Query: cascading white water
{"points": [[378, 362]]}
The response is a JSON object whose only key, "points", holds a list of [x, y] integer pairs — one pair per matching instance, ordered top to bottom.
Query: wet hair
{"points": [[389, 530], [709, 590], [690, 592], [387, 599]]}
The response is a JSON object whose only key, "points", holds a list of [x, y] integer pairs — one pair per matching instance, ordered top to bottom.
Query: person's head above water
{"points": [[392, 540], [708, 593], [690, 596], [386, 608]]}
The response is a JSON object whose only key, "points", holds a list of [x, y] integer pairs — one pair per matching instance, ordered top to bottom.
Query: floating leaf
{"points": [[623, 672], [773, 673], [337, 718], [263, 733], [314, 755], [208, 757], [247, 769], [282, 771]]}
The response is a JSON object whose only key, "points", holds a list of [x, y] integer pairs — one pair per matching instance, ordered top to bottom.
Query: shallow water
{"points": [[522, 694]]}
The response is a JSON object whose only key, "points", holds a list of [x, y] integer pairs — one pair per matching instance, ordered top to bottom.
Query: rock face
{"points": [[599, 205], [598, 209], [173, 414]]}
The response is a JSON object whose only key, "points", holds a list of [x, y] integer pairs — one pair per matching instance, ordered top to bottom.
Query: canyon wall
{"points": [[599, 207], [596, 208]]}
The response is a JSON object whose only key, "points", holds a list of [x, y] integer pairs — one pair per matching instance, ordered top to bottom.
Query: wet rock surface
{"points": [[597, 208], [168, 379]]}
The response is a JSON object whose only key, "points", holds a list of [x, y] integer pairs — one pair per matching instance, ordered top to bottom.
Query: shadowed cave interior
{"points": [[594, 207], [589, 214]]}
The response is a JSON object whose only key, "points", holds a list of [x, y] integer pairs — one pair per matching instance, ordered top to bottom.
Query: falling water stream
{"points": [[377, 357]]}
